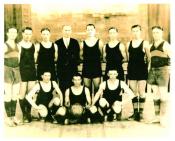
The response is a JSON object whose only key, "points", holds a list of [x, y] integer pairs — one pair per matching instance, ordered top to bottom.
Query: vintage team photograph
{"points": [[87, 69]]}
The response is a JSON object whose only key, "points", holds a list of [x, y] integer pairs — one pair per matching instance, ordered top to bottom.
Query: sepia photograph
{"points": [[87, 69]]}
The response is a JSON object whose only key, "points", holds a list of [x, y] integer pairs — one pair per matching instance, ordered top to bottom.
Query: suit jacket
{"points": [[68, 58]]}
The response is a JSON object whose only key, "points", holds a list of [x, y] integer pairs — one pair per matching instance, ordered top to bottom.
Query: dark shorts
{"points": [[92, 70], [137, 71], [28, 74], [11, 75], [159, 76]]}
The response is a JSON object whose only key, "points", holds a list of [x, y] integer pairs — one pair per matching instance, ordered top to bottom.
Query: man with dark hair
{"points": [[91, 53], [114, 53], [46, 54], [68, 58], [138, 59], [27, 71], [159, 73], [11, 76], [109, 95], [45, 96], [77, 100]]}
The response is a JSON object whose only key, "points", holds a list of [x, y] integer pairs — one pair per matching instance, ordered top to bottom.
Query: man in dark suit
{"points": [[68, 58]]}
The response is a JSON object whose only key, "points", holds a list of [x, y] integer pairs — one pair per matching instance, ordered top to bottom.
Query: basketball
{"points": [[117, 107], [43, 110], [76, 110], [61, 111]]}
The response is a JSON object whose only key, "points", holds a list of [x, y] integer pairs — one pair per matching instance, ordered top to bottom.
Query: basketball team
{"points": [[44, 76]]}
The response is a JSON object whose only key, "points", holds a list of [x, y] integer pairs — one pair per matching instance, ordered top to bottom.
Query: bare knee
{"points": [[56, 101]]}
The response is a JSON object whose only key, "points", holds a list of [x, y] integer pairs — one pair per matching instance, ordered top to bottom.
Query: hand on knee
{"points": [[56, 101], [103, 102], [93, 109]]}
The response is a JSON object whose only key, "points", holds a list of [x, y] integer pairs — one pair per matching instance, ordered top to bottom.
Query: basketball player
{"points": [[91, 53], [114, 53], [46, 55], [139, 57], [27, 71], [159, 72], [11, 76], [111, 91], [44, 92], [78, 95]]}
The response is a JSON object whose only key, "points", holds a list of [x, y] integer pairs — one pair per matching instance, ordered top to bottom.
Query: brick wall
{"points": [[102, 21]]}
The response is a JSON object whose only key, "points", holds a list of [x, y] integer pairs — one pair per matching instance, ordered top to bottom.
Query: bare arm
{"points": [[5, 48], [19, 48], [37, 48], [101, 48], [127, 48], [167, 49], [81, 50], [147, 51], [56, 52], [123, 52], [104, 53], [58, 91], [99, 93], [31, 94], [88, 97], [67, 99]]}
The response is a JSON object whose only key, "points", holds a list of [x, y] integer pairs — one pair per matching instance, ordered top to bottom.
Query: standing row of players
{"points": [[139, 56]]}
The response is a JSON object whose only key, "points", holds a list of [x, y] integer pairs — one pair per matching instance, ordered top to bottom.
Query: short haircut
{"points": [[90, 25], [136, 25], [10, 27], [158, 27], [26, 28], [45, 28], [113, 28], [114, 69], [77, 74]]}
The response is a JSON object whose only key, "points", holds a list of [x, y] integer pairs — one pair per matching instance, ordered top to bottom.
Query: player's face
{"points": [[90, 30], [67, 31], [136, 32], [12, 33], [45, 34], [113, 34], [157, 34], [27, 35], [112, 74], [46, 77], [77, 80]]}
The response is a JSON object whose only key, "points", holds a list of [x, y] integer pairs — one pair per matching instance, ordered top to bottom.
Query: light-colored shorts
{"points": [[11, 75]]}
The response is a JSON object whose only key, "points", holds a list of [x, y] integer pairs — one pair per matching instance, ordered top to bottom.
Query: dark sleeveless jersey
{"points": [[11, 56], [46, 56], [158, 56], [27, 57], [114, 60], [46, 61], [91, 61], [27, 64], [137, 68], [112, 95], [44, 97], [81, 99]]}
